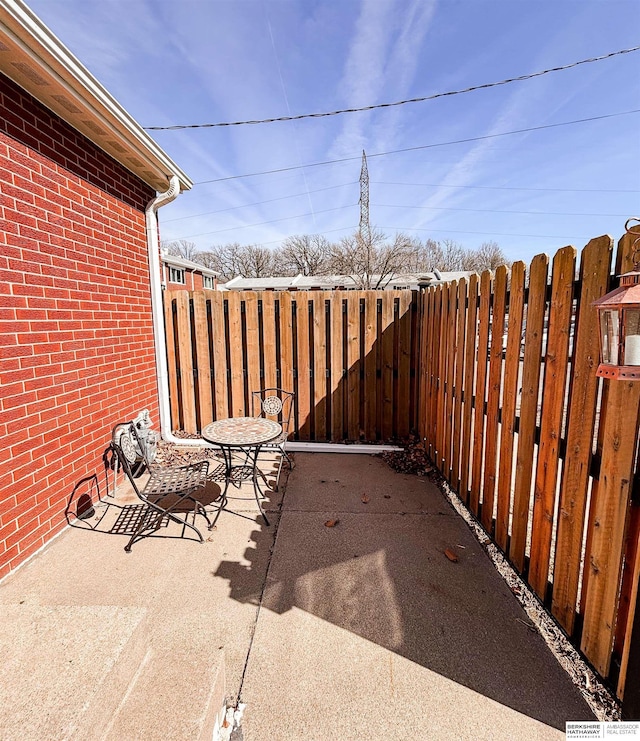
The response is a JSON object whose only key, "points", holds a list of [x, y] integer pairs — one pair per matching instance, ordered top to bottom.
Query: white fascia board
{"points": [[65, 86], [182, 262]]}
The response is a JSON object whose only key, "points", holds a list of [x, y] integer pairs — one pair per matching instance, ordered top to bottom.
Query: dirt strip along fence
{"points": [[349, 356], [542, 452]]}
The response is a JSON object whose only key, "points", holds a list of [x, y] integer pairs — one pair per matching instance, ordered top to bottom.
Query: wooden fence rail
{"points": [[350, 357], [539, 448]]}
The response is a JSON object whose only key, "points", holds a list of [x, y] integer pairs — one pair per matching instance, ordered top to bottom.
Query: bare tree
{"points": [[180, 248], [308, 254], [424, 256], [453, 256], [489, 256], [208, 259], [223, 259], [231, 260], [256, 261], [371, 263]]}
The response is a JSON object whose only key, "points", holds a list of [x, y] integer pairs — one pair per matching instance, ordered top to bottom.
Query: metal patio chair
{"points": [[277, 404], [168, 490]]}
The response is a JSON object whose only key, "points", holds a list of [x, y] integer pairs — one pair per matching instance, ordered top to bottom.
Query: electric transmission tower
{"points": [[365, 228]]}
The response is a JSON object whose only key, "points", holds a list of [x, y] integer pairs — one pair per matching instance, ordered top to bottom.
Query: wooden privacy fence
{"points": [[348, 355], [497, 374], [541, 450]]}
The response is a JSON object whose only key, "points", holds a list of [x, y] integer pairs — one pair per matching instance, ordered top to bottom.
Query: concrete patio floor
{"points": [[363, 630]]}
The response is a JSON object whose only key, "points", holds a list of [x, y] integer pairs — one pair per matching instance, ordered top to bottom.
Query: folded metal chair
{"points": [[276, 404], [168, 490]]}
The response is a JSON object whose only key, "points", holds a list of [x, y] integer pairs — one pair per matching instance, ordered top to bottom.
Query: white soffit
{"points": [[39, 63]]}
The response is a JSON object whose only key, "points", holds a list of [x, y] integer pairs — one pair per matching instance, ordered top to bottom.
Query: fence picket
{"points": [[595, 264], [536, 308], [285, 312], [170, 332], [252, 346], [185, 359], [414, 359], [452, 359], [236, 361], [353, 364], [370, 364], [387, 364], [320, 366], [303, 367], [434, 367], [337, 369], [442, 374], [469, 377], [270, 379], [221, 381], [481, 381], [458, 384], [493, 396], [509, 399], [553, 404], [204, 408], [402, 411]]}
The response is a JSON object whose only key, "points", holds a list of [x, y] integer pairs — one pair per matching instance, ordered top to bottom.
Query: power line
{"points": [[520, 78], [423, 146], [507, 187], [258, 203], [495, 210], [262, 223], [322, 233], [485, 234]]}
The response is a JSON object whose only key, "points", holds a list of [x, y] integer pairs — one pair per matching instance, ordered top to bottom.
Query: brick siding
{"points": [[194, 281], [76, 337]]}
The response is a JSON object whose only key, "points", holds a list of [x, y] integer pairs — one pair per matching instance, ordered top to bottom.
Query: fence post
{"points": [[619, 417]]}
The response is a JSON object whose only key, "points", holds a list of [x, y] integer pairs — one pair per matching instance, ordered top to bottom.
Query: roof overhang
{"points": [[38, 62], [182, 262]]}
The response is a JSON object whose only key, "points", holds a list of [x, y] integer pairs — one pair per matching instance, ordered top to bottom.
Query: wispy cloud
{"points": [[383, 56], [364, 71], [524, 105]]}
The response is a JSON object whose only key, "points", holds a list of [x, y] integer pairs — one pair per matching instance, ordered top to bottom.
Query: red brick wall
{"points": [[76, 342]]}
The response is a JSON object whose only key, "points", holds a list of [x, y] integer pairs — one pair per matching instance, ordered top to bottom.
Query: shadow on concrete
{"points": [[94, 508], [381, 573]]}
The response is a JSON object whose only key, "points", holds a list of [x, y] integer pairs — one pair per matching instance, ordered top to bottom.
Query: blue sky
{"points": [[206, 61]]}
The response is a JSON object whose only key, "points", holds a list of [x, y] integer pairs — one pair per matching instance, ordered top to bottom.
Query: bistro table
{"points": [[245, 435]]}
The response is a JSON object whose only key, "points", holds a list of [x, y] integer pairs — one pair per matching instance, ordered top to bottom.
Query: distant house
{"points": [[80, 185], [178, 272], [408, 281]]}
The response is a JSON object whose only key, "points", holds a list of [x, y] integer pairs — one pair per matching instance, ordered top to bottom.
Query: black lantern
{"points": [[619, 315]]}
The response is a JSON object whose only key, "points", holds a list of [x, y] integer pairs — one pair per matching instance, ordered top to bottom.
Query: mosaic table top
{"points": [[241, 431]]}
